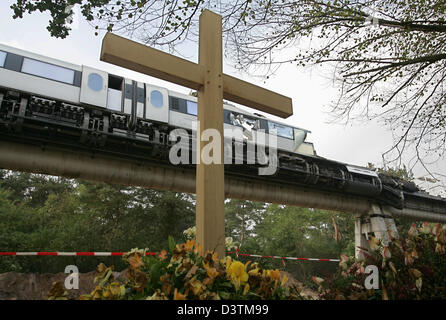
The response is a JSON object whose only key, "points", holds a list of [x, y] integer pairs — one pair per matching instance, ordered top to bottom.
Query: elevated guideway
{"points": [[109, 169]]}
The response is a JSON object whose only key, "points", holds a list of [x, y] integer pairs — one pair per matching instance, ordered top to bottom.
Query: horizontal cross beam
{"points": [[138, 57]]}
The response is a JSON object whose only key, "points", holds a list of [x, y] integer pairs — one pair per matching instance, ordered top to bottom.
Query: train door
{"points": [[94, 87], [128, 96], [115, 97], [140, 97], [134, 98], [157, 104]]}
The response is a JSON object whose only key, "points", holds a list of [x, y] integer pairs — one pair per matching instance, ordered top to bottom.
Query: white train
{"points": [[85, 86]]}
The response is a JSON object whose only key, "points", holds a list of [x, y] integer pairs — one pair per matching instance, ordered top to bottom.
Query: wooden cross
{"points": [[213, 86]]}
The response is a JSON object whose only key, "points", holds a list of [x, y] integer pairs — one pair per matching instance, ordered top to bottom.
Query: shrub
{"points": [[413, 267], [182, 273]]}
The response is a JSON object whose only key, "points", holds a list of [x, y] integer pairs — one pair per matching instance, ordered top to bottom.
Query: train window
{"points": [[2, 58], [47, 70], [95, 82], [115, 82], [114, 95], [156, 98], [191, 107], [281, 130]]}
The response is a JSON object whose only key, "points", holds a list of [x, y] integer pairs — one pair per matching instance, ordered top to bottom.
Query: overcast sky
{"points": [[311, 90]]}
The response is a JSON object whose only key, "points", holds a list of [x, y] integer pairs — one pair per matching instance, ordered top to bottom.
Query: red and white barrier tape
{"points": [[67, 254], [106, 254], [282, 258]]}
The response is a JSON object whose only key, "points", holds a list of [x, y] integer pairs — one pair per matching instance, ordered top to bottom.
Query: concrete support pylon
{"points": [[377, 223]]}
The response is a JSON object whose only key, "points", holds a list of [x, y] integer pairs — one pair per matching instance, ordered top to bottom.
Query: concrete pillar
{"points": [[378, 223], [361, 237]]}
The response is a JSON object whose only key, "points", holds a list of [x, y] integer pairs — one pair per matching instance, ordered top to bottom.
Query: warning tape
{"points": [[237, 252], [96, 254], [107, 254]]}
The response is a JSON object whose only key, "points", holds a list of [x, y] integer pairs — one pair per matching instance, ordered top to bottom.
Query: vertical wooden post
{"points": [[207, 77], [210, 220]]}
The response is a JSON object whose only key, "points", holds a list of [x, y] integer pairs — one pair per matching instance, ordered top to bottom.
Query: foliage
{"points": [[43, 213], [242, 217], [302, 232], [190, 234], [412, 268], [184, 273], [57, 291]]}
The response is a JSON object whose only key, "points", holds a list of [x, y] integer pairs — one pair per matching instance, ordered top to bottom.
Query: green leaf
{"points": [[171, 244]]}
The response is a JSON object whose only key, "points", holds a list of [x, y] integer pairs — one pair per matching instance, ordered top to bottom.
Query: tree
{"points": [[388, 57], [43, 213], [242, 217], [305, 233]]}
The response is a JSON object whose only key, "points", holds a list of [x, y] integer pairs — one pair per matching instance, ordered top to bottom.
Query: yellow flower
{"points": [[189, 245], [198, 248], [215, 256], [228, 262], [254, 272], [212, 273], [238, 274], [274, 275], [284, 280], [196, 286], [116, 289], [245, 291], [97, 293], [158, 295], [178, 296]]}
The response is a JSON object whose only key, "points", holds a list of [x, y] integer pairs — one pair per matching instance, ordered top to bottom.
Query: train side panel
{"points": [[36, 74], [43, 87], [94, 87], [156, 104], [182, 110]]}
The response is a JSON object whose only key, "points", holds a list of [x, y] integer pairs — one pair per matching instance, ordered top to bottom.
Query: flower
{"points": [[426, 228], [413, 232], [190, 233], [374, 243], [230, 244], [189, 245], [386, 253], [163, 255], [227, 261], [343, 263], [392, 266], [254, 272], [212, 273], [416, 273], [238, 274], [274, 274], [284, 280], [317, 280], [196, 286], [246, 289], [158, 295], [178, 296]]}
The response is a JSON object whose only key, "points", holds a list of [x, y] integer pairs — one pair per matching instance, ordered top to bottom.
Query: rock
{"points": [[22, 286]]}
